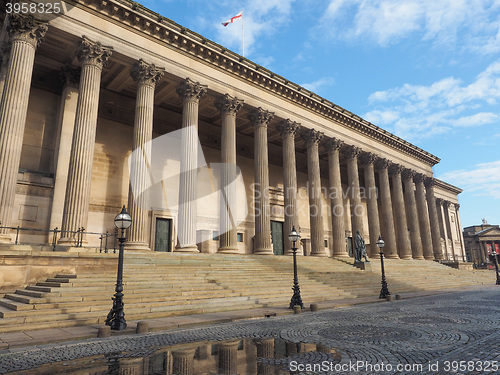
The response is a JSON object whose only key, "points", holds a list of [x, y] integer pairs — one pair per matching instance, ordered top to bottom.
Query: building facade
{"points": [[82, 89], [480, 241]]}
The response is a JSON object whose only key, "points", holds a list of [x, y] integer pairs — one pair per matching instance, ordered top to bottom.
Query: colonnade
{"points": [[407, 218]]}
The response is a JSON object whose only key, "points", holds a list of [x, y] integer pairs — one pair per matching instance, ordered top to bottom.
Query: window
{"points": [[215, 235], [239, 237], [326, 243]]}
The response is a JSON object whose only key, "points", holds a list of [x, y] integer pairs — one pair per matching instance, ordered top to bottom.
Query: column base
{"points": [[5, 238], [136, 246], [187, 249], [228, 250], [263, 252], [319, 254], [340, 255], [391, 256], [406, 257], [420, 257], [429, 258]]}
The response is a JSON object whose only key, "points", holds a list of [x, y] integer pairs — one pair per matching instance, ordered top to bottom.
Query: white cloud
{"points": [[260, 17], [388, 21], [318, 84], [418, 111], [483, 179]]}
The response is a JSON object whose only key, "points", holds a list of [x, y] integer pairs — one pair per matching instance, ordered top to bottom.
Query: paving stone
{"points": [[429, 331]]}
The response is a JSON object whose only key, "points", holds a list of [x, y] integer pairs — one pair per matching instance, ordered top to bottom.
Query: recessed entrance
{"points": [[163, 234], [277, 237]]}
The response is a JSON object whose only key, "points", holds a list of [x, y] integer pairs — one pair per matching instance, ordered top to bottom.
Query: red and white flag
{"points": [[239, 15]]}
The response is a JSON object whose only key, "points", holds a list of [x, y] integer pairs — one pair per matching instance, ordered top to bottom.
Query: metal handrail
{"points": [[58, 234]]}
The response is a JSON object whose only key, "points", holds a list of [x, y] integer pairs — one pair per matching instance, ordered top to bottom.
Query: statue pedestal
{"points": [[363, 266]]}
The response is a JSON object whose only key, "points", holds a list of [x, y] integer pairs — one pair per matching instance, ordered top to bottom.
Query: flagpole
{"points": [[242, 36]]}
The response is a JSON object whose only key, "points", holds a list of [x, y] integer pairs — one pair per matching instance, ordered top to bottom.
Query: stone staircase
{"points": [[161, 285]]}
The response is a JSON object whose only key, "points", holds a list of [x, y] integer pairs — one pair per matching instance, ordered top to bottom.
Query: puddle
{"points": [[238, 356]]}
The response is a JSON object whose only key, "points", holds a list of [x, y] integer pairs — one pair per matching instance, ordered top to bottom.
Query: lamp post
{"points": [[494, 255], [384, 292], [296, 299], [116, 316]]}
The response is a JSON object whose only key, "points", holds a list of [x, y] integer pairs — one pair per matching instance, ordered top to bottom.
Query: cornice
{"points": [[136, 16]]}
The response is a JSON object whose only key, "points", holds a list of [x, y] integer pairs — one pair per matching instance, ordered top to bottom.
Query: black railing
{"points": [[74, 238]]}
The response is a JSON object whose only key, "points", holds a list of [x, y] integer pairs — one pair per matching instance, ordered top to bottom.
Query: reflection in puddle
{"points": [[239, 356]]}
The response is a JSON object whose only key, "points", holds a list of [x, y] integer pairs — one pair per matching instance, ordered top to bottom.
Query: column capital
{"points": [[26, 28], [93, 53], [144, 73], [70, 76], [190, 90], [228, 104], [260, 117], [288, 127], [312, 136], [334, 144], [351, 151], [368, 158], [382, 163], [395, 169], [408, 174], [419, 178], [429, 182], [440, 201], [446, 204], [457, 206]]}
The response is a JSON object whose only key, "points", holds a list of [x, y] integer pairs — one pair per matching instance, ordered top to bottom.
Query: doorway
{"points": [[163, 235], [277, 237]]}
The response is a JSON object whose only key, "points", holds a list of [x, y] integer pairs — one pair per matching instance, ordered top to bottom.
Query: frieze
{"points": [[197, 46], [34, 191]]}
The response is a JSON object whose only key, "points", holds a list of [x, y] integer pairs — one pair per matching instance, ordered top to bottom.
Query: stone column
{"points": [[25, 33], [92, 56], [4, 64], [145, 76], [191, 92], [229, 107], [66, 124], [288, 130], [313, 138], [368, 160], [337, 199], [357, 209], [412, 214], [423, 217], [434, 220], [447, 224], [443, 226], [388, 231], [460, 233], [403, 240], [262, 243], [483, 252], [265, 349], [228, 357], [183, 362]]}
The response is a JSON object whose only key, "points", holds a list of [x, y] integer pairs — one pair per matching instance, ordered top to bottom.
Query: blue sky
{"points": [[425, 70]]}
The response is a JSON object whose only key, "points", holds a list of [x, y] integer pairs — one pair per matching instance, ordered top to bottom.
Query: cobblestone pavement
{"points": [[428, 335]]}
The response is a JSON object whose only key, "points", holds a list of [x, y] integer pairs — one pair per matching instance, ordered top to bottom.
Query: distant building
{"points": [[480, 240]]}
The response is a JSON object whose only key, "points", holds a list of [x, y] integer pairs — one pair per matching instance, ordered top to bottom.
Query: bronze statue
{"points": [[359, 248]]}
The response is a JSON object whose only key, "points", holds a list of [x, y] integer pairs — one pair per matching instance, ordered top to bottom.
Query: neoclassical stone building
{"points": [[81, 90]]}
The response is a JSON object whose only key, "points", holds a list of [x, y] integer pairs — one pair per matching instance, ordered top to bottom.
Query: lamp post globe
{"points": [[384, 292], [296, 298], [116, 316]]}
